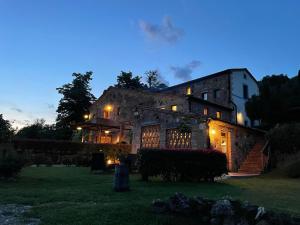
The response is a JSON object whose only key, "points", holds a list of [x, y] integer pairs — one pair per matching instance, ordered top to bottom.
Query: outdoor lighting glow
{"points": [[108, 108], [174, 108], [86, 116], [79, 128], [213, 131], [106, 132], [109, 162]]}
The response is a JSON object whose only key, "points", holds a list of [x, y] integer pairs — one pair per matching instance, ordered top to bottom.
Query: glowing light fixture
{"points": [[108, 108], [86, 116], [79, 128], [213, 131], [106, 132], [109, 162]]}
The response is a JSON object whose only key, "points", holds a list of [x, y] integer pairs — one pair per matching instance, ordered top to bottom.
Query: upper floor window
{"points": [[245, 76], [188, 90], [245, 91], [217, 93], [205, 95], [174, 108], [205, 111], [106, 114], [219, 115]]}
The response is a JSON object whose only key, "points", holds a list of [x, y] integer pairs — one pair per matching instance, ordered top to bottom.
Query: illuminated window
{"points": [[188, 90], [205, 95], [174, 108], [205, 111], [106, 114], [219, 114], [240, 118]]}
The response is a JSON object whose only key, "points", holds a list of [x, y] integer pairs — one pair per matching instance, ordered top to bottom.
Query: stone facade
{"points": [[198, 114]]}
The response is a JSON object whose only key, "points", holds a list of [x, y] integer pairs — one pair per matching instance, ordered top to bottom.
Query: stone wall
{"points": [[209, 85], [240, 140]]}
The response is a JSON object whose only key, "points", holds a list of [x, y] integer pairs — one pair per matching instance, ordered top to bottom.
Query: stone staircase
{"points": [[253, 163]]}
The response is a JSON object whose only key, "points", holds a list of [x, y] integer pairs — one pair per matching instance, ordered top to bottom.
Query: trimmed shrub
{"points": [[56, 152], [182, 165], [10, 166], [293, 171]]}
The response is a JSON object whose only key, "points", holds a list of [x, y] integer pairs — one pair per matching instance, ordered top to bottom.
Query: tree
{"points": [[126, 80], [154, 80], [76, 100], [278, 102], [6, 130], [38, 130]]}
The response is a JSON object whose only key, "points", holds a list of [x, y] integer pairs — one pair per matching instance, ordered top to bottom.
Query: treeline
{"points": [[278, 102]]}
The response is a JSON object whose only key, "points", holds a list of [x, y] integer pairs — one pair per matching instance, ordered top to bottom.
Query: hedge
{"points": [[66, 152], [182, 164]]}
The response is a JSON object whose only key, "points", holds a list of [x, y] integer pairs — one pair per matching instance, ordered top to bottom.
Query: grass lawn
{"points": [[74, 196]]}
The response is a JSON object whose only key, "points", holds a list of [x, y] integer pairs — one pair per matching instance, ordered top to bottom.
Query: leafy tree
{"points": [[126, 80], [153, 80], [76, 100], [278, 102], [6, 130], [38, 130]]}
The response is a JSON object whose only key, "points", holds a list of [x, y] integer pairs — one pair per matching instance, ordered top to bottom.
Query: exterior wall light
{"points": [[86, 116], [79, 128], [106, 132], [109, 162]]}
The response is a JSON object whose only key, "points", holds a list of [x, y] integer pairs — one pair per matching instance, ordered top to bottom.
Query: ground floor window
{"points": [[150, 136], [177, 139]]}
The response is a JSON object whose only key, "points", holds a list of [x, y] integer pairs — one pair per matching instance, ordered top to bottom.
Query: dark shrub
{"points": [[173, 165], [10, 166], [293, 171]]}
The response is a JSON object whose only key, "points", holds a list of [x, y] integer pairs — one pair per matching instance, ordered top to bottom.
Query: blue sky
{"points": [[43, 42]]}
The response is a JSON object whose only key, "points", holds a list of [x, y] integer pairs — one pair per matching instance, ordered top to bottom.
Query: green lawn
{"points": [[74, 196]]}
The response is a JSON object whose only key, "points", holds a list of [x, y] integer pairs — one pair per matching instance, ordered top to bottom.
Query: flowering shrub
{"points": [[182, 164]]}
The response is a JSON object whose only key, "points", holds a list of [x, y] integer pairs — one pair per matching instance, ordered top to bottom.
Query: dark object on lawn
{"points": [[98, 162], [10, 166], [121, 179], [225, 211]]}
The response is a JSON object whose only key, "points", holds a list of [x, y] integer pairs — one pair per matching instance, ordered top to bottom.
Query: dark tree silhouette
{"points": [[126, 80], [76, 100], [6, 130]]}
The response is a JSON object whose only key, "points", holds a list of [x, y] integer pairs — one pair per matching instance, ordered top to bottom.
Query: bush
{"points": [[56, 151], [173, 165], [10, 166], [293, 171]]}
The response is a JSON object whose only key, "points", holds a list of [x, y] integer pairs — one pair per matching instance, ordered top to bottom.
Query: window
{"points": [[245, 76], [188, 90], [245, 91], [216, 93], [205, 95], [174, 108], [119, 111], [205, 111], [106, 114], [219, 114], [150, 136], [177, 139]]}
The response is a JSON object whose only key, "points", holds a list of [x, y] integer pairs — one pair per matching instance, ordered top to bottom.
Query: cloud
{"points": [[165, 32], [184, 73], [50, 106], [16, 109]]}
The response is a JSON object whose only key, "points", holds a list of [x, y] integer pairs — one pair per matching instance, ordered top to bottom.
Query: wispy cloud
{"points": [[166, 31], [184, 73], [50, 106], [16, 109]]}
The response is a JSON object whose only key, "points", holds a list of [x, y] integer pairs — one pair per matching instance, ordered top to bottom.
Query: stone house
{"points": [[208, 112]]}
